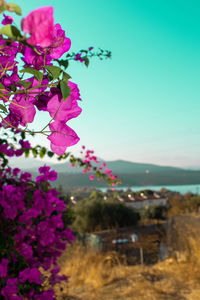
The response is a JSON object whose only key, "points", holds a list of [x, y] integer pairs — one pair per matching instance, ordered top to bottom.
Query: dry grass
{"points": [[97, 276]]}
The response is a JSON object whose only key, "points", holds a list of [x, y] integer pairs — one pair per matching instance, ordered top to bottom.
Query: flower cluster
{"points": [[84, 56], [39, 85], [16, 147], [90, 163], [32, 234]]}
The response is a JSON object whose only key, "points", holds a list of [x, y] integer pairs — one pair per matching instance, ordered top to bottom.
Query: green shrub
{"points": [[157, 212], [91, 215]]}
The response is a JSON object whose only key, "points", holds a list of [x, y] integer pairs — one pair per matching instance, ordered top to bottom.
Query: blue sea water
{"points": [[183, 189]]}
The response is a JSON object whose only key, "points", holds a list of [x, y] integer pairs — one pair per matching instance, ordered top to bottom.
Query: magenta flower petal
{"points": [[7, 20], [40, 25], [60, 43], [23, 109], [63, 110], [62, 135], [59, 150], [44, 170], [52, 176], [91, 177], [3, 267]]}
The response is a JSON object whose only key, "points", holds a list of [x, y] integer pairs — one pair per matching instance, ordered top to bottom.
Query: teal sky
{"points": [[143, 104]]}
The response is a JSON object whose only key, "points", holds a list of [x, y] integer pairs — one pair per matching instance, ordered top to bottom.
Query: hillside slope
{"points": [[131, 174]]}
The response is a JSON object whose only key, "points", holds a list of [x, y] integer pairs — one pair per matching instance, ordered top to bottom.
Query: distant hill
{"points": [[32, 165], [117, 166], [123, 166], [131, 174]]}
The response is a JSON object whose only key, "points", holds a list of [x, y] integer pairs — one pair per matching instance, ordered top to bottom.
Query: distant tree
{"points": [[96, 195], [157, 212], [91, 215]]}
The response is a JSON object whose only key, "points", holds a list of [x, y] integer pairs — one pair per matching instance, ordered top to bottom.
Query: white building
{"points": [[146, 202]]}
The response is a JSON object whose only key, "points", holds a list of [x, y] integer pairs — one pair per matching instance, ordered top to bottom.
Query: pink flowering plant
{"points": [[33, 78], [39, 84], [90, 163], [32, 234]]}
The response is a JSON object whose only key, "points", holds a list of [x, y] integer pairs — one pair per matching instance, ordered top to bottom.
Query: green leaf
{"points": [[15, 8], [10, 31], [86, 61], [63, 63], [55, 71], [34, 72], [66, 76], [49, 77], [24, 83], [2, 86], [13, 87], [65, 89], [2, 107], [23, 135], [26, 151], [34, 151], [42, 152], [50, 153], [66, 154], [5, 162], [98, 173]]}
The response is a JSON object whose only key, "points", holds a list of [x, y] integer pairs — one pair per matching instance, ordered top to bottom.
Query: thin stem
{"points": [[28, 90], [14, 103], [22, 130]]}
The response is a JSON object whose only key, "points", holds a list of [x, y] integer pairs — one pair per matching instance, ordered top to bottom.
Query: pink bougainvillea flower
{"points": [[7, 20], [39, 23], [60, 43], [78, 57], [7, 58], [32, 58], [35, 83], [75, 93], [23, 108], [62, 110], [62, 136], [25, 144], [59, 150], [102, 166], [44, 170], [16, 171], [108, 171], [47, 174], [91, 177], [3, 267], [31, 275], [10, 289]]}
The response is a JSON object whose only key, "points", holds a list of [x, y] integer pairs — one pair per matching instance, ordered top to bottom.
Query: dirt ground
{"points": [[149, 238], [116, 273]]}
